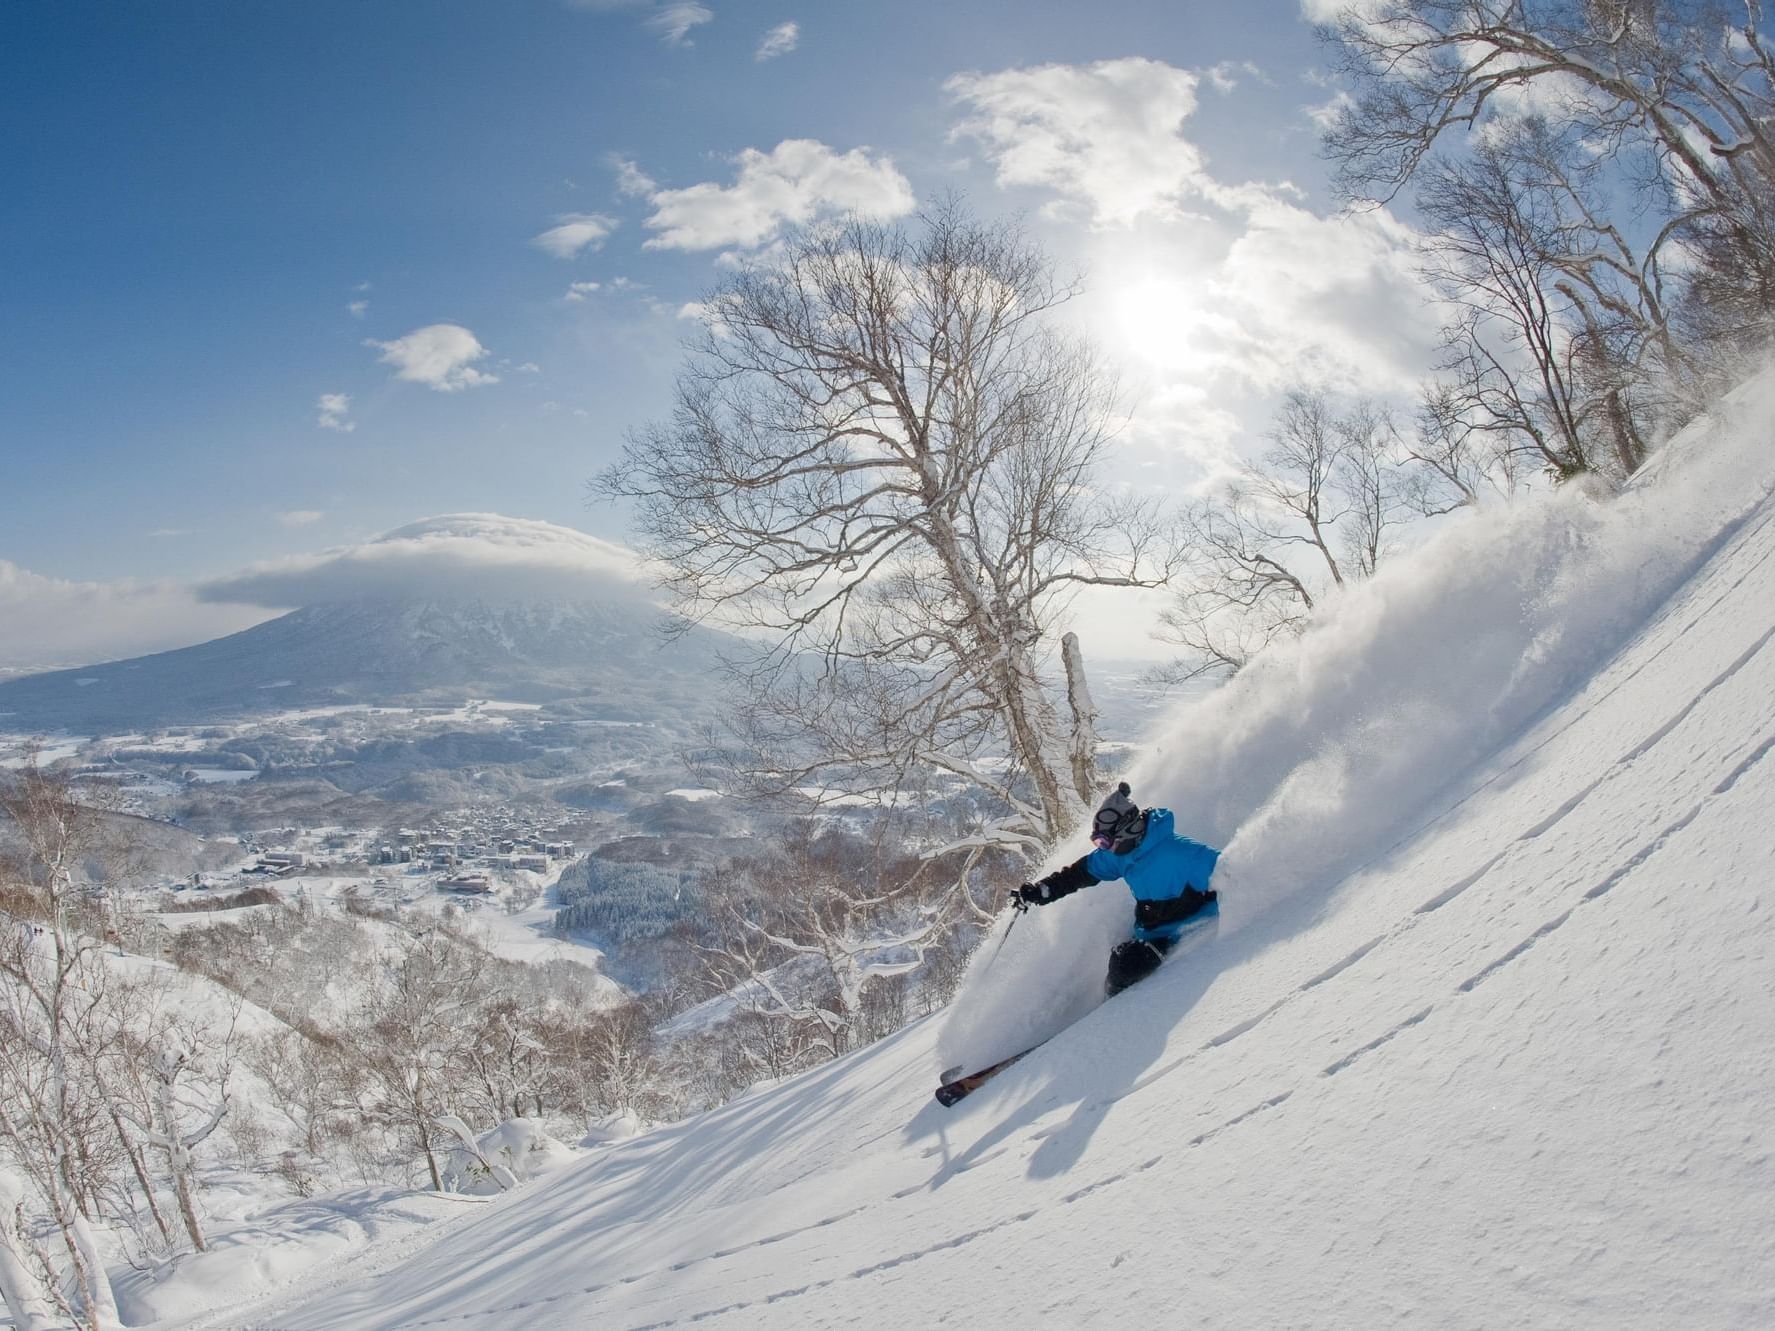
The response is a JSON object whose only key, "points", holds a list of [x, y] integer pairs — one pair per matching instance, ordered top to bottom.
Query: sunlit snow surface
{"points": [[1484, 1039]]}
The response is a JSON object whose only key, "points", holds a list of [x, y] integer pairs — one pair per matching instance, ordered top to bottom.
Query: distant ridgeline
{"points": [[621, 904]]}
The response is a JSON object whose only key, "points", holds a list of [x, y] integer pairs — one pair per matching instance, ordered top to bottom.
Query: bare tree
{"points": [[1689, 86], [1668, 106], [1562, 327], [884, 459], [1456, 460], [1376, 498], [1312, 513], [64, 847], [815, 939], [412, 1033], [620, 1058], [507, 1059], [310, 1079], [166, 1086]]}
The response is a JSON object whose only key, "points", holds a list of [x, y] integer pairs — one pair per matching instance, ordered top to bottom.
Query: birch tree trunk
{"points": [[1083, 747], [178, 1152], [91, 1278]]}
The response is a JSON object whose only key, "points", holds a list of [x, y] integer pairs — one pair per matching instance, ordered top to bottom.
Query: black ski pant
{"points": [[1132, 961]]}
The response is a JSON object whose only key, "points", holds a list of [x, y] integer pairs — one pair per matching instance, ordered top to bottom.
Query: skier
{"points": [[1167, 873]]}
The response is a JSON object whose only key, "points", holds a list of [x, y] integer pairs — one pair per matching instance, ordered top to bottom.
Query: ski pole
{"points": [[1018, 907]]}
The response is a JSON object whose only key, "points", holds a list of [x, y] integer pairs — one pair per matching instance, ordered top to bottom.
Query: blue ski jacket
{"points": [[1166, 872]]}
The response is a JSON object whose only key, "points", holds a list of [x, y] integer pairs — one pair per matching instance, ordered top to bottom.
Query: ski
{"points": [[1201, 927], [962, 1087]]}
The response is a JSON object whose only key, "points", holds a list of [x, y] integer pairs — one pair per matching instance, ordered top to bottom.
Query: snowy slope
{"points": [[1485, 1039]]}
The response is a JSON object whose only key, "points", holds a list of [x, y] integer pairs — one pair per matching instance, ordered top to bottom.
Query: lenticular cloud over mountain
{"points": [[455, 556], [467, 602]]}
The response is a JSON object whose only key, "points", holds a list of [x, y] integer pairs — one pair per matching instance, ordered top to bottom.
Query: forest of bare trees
{"points": [[1596, 177], [1594, 182], [325, 1047]]}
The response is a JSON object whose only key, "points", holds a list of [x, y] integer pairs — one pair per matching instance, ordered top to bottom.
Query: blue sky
{"points": [[283, 277]]}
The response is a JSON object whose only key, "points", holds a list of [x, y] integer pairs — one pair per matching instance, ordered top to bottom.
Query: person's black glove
{"points": [[1032, 894]]}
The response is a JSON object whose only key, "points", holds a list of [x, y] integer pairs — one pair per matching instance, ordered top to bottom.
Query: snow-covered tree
{"points": [[1313, 512], [62, 848], [809, 935], [412, 1033], [508, 1060], [165, 1080], [23, 1291]]}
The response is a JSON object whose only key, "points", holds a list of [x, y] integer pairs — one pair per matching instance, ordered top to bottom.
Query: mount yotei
{"points": [[463, 605]]}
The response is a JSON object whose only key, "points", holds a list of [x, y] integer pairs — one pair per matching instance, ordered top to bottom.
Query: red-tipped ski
{"points": [[962, 1087]]}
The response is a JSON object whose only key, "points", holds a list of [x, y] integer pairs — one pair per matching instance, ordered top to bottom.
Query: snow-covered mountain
{"points": [[468, 603], [1484, 1039]]}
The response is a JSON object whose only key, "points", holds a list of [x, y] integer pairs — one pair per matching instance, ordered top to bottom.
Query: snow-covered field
{"points": [[482, 713], [17, 750], [517, 935], [1484, 1039]]}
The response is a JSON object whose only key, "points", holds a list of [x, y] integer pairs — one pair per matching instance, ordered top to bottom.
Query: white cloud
{"points": [[671, 19], [674, 21], [780, 40], [1226, 75], [1557, 97], [1325, 115], [1108, 135], [631, 181], [797, 181], [573, 232], [580, 290], [1256, 291], [1279, 297], [1328, 299], [358, 308], [704, 314], [440, 356], [334, 412], [1184, 417], [300, 517], [161, 533], [458, 555], [57, 622]]}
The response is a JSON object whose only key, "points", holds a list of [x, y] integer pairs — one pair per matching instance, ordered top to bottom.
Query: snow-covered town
{"points": [[668, 664]]}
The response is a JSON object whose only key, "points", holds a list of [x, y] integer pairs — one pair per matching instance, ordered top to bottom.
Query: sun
{"points": [[1161, 322]]}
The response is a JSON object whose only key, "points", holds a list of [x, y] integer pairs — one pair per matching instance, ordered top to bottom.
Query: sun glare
{"points": [[1159, 321]]}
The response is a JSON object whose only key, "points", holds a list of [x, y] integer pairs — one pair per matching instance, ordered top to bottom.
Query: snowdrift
{"points": [[1483, 1040]]}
